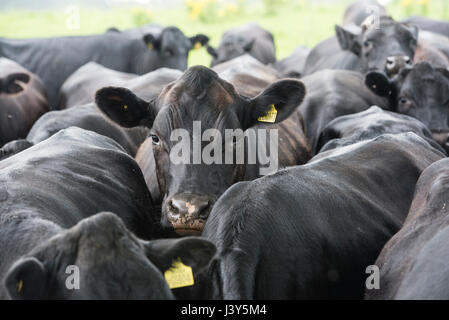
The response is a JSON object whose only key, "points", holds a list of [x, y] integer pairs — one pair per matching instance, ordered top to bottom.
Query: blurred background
{"points": [[293, 22]]}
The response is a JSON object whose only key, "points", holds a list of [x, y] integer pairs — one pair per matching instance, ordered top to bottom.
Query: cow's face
{"points": [[172, 47], [229, 49], [387, 49], [421, 92], [198, 106], [100, 259]]}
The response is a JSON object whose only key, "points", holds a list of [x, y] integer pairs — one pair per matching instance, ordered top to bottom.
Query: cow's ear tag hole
{"points": [[197, 45], [270, 116], [179, 275]]}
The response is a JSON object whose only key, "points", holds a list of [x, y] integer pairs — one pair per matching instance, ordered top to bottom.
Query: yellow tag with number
{"points": [[197, 45], [150, 46], [270, 116], [179, 275]]}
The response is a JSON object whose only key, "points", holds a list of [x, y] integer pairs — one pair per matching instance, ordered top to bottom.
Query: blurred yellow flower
{"points": [[406, 3], [231, 7]]}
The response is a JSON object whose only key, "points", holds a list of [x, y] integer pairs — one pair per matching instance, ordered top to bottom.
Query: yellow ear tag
{"points": [[197, 45], [150, 46], [125, 107], [270, 116], [179, 275], [19, 286]]}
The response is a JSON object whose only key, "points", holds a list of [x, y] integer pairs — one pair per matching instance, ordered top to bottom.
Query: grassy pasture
{"points": [[293, 22]]}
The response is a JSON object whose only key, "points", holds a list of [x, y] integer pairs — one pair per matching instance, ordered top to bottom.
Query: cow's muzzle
{"points": [[395, 64], [188, 212]]}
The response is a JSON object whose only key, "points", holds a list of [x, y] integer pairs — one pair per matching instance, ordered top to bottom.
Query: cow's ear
{"points": [[413, 29], [348, 40], [199, 41], [152, 42], [212, 51], [12, 83], [379, 84], [275, 104], [124, 107], [194, 252], [26, 280]]}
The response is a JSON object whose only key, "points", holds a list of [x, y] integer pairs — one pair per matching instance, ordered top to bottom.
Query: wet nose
{"points": [[394, 64], [188, 206]]}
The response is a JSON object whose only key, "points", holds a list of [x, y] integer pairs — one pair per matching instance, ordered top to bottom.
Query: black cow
{"points": [[357, 12], [424, 23], [151, 28], [248, 39], [366, 48], [432, 48], [54, 59], [293, 65], [81, 86], [421, 92], [331, 94], [22, 100], [87, 117], [368, 124], [190, 188], [46, 194], [310, 231], [112, 263], [413, 264]]}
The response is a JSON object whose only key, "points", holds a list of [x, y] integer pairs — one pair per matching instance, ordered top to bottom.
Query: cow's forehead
{"points": [[389, 28], [173, 36], [430, 82], [199, 89]]}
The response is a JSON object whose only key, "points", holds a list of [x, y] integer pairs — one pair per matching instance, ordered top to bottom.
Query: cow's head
{"points": [[172, 47], [230, 48], [385, 49], [421, 92], [198, 97], [100, 259]]}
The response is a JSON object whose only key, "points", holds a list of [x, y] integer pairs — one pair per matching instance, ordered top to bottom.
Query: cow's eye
{"points": [[367, 44], [168, 52], [402, 100], [155, 139]]}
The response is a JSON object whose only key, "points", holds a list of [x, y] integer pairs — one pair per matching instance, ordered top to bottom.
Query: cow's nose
{"points": [[394, 64], [188, 207]]}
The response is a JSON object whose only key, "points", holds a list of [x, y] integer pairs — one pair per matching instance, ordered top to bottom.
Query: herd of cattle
{"points": [[86, 177]]}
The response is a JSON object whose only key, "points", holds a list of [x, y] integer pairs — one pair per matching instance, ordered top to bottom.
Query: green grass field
{"points": [[293, 22]]}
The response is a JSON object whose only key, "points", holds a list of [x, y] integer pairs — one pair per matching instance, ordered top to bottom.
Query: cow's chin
{"points": [[191, 229], [188, 232]]}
